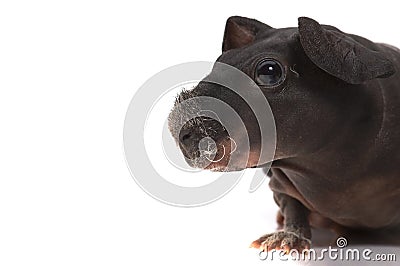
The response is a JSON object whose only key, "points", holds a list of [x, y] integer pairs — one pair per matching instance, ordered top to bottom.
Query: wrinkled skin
{"points": [[336, 158]]}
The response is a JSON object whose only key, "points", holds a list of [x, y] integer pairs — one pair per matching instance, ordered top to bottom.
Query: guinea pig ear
{"points": [[241, 31], [340, 55]]}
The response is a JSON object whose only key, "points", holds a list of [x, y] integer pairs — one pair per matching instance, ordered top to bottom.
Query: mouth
{"points": [[219, 159]]}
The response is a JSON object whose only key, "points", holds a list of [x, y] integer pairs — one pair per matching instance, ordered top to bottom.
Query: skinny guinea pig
{"points": [[335, 98]]}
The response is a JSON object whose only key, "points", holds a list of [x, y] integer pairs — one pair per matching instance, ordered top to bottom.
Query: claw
{"points": [[255, 244], [286, 249]]}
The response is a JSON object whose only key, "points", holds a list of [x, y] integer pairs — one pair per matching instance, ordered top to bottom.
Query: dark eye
{"points": [[269, 72]]}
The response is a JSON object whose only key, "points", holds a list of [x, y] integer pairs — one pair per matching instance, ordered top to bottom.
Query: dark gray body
{"points": [[336, 109], [354, 179]]}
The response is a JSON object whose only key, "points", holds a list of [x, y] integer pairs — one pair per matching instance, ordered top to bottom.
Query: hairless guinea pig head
{"points": [[313, 77]]}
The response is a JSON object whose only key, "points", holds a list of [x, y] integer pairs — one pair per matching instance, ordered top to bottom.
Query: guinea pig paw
{"points": [[282, 241]]}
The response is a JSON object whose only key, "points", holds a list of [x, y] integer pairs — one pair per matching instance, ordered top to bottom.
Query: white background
{"points": [[68, 70]]}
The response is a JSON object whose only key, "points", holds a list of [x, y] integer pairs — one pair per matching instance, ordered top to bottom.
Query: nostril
{"points": [[185, 136], [187, 143]]}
